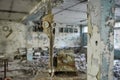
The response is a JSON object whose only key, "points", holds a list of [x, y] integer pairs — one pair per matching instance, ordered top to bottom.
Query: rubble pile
{"points": [[80, 62], [31, 67], [116, 69]]}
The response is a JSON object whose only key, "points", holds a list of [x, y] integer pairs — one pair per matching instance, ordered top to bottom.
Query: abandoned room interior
{"points": [[59, 39]]}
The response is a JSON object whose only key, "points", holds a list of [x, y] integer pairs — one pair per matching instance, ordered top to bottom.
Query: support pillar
{"points": [[100, 40]]}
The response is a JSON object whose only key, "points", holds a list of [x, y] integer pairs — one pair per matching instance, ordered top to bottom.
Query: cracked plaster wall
{"points": [[16, 35], [12, 37], [63, 39], [100, 39]]}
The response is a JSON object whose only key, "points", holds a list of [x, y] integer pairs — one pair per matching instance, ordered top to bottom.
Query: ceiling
{"points": [[16, 10], [69, 11], [75, 12]]}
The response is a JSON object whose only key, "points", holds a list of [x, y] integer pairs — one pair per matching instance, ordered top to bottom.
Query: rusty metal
{"points": [[49, 32], [66, 61], [5, 69]]}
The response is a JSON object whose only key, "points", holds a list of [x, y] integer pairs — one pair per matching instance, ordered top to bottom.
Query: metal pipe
{"points": [[49, 7], [51, 51], [5, 68]]}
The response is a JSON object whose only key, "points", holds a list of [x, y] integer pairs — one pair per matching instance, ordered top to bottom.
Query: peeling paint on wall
{"points": [[15, 35], [12, 37], [67, 39], [100, 39]]}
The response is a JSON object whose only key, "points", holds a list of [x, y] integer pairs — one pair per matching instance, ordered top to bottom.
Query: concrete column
{"points": [[100, 40]]}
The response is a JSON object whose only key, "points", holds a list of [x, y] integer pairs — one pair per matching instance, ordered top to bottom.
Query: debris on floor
{"points": [[80, 61], [35, 62], [116, 70]]}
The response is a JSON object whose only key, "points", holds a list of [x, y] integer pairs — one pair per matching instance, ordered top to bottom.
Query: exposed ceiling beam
{"points": [[69, 7], [73, 10], [76, 10], [9, 11], [7, 20]]}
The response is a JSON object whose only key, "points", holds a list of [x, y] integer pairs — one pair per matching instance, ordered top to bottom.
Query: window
{"points": [[60, 29], [85, 29], [66, 30], [70, 30], [75, 30]]}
